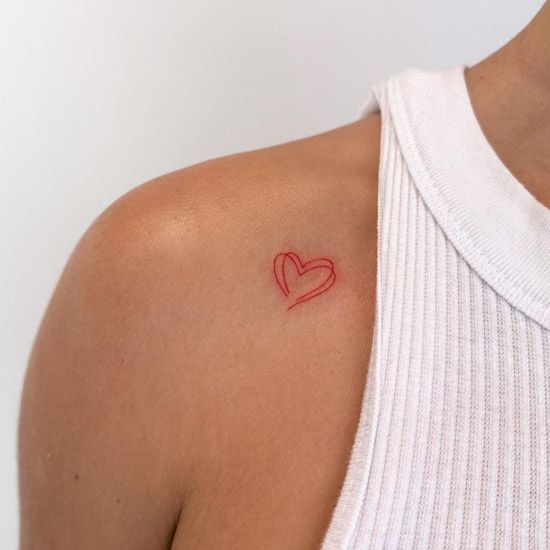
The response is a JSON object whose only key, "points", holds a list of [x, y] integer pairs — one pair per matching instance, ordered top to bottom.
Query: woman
{"points": [[340, 341]]}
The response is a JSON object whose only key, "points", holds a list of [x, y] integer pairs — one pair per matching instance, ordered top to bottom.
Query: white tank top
{"points": [[453, 444]]}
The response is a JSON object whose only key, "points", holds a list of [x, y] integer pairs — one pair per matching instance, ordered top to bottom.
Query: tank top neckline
{"points": [[498, 226]]}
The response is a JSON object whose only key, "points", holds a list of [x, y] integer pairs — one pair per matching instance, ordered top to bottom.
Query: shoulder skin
{"points": [[167, 348]]}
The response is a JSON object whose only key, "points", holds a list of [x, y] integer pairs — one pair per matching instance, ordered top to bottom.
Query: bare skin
{"points": [[510, 92], [172, 400]]}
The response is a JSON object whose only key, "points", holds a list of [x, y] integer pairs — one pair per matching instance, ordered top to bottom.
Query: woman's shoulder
{"points": [[170, 300]]}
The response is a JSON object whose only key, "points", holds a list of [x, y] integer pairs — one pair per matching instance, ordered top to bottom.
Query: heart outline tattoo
{"points": [[279, 265]]}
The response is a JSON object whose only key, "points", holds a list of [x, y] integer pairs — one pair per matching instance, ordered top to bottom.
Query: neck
{"points": [[531, 49], [510, 93]]}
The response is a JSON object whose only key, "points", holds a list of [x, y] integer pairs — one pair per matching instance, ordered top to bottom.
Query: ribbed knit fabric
{"points": [[453, 444]]}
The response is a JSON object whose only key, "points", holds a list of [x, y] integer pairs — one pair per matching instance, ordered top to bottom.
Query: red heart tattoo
{"points": [[280, 268]]}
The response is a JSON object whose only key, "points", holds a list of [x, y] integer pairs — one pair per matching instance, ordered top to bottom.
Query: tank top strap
{"points": [[452, 448]]}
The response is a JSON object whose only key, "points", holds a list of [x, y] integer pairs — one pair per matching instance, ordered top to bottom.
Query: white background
{"points": [[98, 96]]}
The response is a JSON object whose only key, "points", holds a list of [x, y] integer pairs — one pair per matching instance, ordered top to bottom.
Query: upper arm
{"points": [[103, 428]]}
